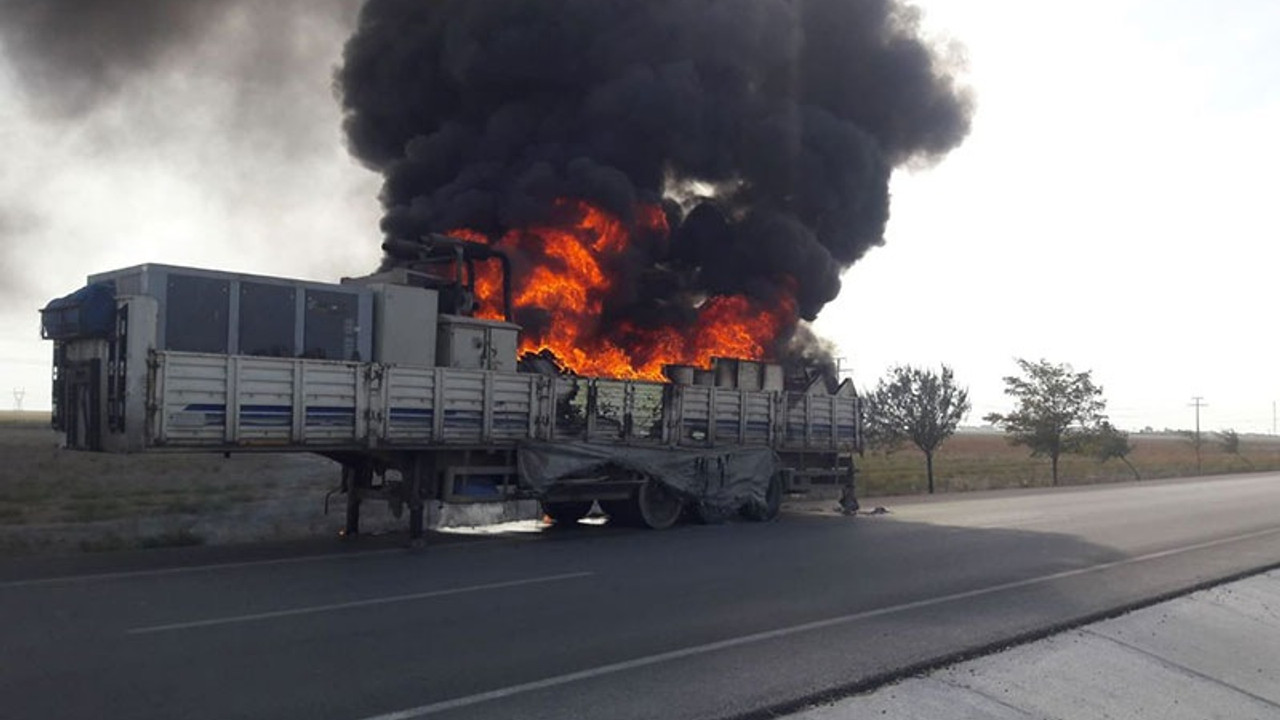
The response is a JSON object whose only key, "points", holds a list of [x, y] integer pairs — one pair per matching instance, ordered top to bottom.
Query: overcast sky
{"points": [[1110, 209], [1113, 209]]}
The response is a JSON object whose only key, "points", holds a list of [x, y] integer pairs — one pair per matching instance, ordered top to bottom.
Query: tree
{"points": [[918, 405], [1058, 409], [1108, 442], [1230, 442]]}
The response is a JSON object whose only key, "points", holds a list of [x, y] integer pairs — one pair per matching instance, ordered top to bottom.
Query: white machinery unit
{"points": [[403, 322], [476, 344]]}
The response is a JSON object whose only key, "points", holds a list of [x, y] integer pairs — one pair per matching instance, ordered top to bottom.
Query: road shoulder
{"points": [[1208, 654]]}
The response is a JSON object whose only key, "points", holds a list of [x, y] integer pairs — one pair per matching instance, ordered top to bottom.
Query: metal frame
{"points": [[353, 405]]}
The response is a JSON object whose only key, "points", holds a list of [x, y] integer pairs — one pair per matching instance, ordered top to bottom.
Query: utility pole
{"points": [[18, 394], [1197, 402], [1273, 417]]}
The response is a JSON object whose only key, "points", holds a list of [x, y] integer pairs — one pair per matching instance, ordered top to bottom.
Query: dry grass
{"points": [[24, 418], [985, 461], [45, 484], [56, 500]]}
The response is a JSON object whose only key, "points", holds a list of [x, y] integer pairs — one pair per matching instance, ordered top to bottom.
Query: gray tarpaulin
{"points": [[722, 478]]}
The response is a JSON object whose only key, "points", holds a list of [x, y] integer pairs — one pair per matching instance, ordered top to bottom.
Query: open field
{"points": [[23, 418], [986, 461], [52, 500]]}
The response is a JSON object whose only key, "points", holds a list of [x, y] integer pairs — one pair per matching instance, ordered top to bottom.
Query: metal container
{"points": [[476, 343], [726, 372], [679, 374], [750, 375], [774, 378]]}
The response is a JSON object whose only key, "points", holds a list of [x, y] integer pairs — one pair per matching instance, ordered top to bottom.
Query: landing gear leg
{"points": [[355, 478], [848, 496], [417, 507]]}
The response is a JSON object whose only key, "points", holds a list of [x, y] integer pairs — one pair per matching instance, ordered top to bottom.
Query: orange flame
{"points": [[563, 271]]}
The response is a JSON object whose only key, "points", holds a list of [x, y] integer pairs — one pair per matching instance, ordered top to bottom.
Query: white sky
{"points": [[1111, 208]]}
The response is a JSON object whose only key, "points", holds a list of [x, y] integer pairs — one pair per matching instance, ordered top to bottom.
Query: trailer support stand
{"points": [[355, 478], [848, 490], [413, 492]]}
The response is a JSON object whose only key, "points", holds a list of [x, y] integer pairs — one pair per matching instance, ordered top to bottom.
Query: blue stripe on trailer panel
{"points": [[214, 414], [266, 415], [330, 416], [413, 417], [465, 418], [510, 420]]}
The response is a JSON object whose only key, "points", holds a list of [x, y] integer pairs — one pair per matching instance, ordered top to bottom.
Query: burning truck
{"points": [[606, 225], [417, 382]]}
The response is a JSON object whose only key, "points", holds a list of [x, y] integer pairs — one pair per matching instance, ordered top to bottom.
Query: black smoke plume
{"points": [[71, 56], [120, 76], [769, 127]]}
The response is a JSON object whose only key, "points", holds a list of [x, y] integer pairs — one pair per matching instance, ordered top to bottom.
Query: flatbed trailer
{"points": [[453, 420]]}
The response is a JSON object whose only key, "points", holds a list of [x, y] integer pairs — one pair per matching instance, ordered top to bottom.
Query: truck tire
{"points": [[658, 505], [772, 506], [566, 513]]}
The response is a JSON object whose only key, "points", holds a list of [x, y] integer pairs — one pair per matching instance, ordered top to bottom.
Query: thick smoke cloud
{"points": [[73, 53], [71, 56], [106, 83], [786, 117], [15, 226]]}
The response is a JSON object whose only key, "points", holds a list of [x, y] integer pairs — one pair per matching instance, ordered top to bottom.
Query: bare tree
{"points": [[919, 405], [1058, 409]]}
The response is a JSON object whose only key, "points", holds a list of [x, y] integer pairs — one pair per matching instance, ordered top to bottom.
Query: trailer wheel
{"points": [[659, 507], [756, 512], [566, 513]]}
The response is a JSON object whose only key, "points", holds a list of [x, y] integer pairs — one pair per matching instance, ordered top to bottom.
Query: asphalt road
{"points": [[696, 622]]}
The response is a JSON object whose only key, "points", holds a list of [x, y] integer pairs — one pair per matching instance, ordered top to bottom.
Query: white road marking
{"points": [[182, 570], [352, 604], [636, 663]]}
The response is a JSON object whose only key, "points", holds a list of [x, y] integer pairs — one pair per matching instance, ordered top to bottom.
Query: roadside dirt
{"points": [[57, 501]]}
